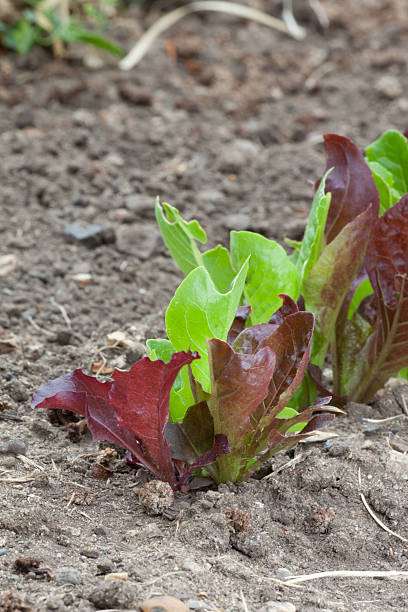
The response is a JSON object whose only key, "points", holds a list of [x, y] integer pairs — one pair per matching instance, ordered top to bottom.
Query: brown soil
{"points": [[224, 120]]}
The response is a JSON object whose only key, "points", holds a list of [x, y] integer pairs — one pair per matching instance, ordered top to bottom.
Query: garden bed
{"points": [[223, 119]]}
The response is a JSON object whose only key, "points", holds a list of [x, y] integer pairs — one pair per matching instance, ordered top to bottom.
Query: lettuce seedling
{"points": [[328, 269], [357, 289], [131, 410], [230, 428]]}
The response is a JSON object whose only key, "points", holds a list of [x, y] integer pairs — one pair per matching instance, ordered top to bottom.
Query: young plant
{"points": [[358, 288], [360, 320], [227, 417]]}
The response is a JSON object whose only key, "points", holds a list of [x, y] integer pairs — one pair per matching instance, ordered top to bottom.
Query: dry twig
{"points": [[161, 25], [375, 517], [347, 574]]}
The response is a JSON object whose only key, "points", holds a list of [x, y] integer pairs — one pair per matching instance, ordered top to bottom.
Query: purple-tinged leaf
{"points": [[351, 184], [387, 254], [329, 280], [288, 307], [238, 324], [248, 340], [290, 342], [386, 350], [239, 383], [70, 392], [140, 398], [194, 436], [276, 436], [220, 447]]}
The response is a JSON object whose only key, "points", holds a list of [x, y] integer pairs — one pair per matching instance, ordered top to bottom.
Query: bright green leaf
{"points": [[391, 152], [383, 180], [180, 237], [312, 242], [218, 263], [270, 272], [329, 280], [363, 290], [198, 311]]}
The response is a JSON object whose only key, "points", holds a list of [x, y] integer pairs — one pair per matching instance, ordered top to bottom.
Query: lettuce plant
{"points": [[344, 272], [223, 431]]}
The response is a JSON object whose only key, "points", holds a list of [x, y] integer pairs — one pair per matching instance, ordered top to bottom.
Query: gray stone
{"points": [[389, 87], [236, 155], [139, 202], [238, 222], [90, 236], [372, 429], [13, 447], [336, 448], [91, 553], [105, 565], [191, 566], [282, 573], [68, 575], [113, 594], [195, 604]]}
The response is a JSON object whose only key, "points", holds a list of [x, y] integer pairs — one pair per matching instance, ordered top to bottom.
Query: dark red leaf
{"points": [[351, 184], [387, 253], [288, 307], [238, 324], [249, 339], [290, 342], [386, 350], [239, 383], [71, 392], [140, 398], [131, 410], [194, 436]]}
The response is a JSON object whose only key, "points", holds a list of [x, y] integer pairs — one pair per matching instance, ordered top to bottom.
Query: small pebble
{"points": [[389, 87], [90, 236], [372, 430], [13, 447], [336, 448], [155, 496], [89, 552], [104, 565], [191, 566], [282, 573], [68, 575], [112, 594], [167, 603]]}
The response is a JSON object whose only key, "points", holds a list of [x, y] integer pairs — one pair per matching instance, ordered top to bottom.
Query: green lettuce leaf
{"points": [[390, 155], [180, 237], [312, 243], [270, 273], [198, 311]]}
